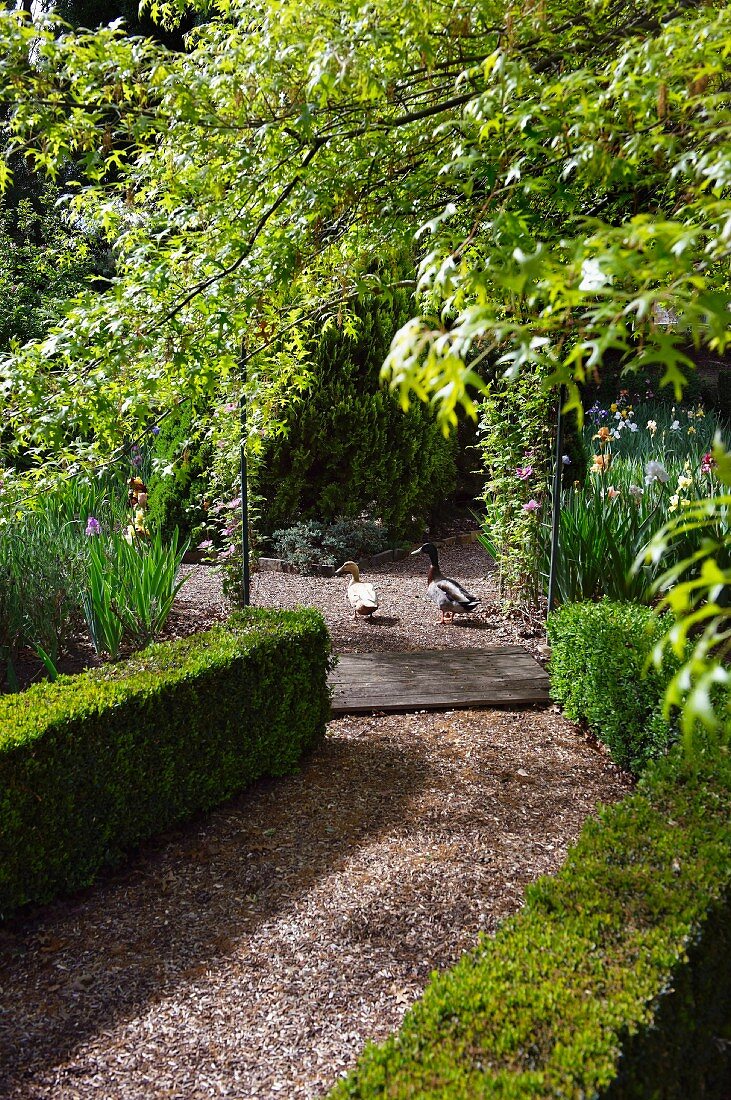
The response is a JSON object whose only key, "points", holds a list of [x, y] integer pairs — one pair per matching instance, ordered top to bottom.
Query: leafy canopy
{"points": [[559, 171]]}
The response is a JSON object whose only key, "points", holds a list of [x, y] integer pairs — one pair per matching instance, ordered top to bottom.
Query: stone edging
{"points": [[279, 565]]}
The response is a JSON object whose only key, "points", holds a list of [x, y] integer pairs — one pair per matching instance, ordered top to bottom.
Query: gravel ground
{"points": [[406, 618], [253, 952]]}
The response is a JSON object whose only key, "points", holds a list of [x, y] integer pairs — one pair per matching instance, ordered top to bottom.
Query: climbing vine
{"points": [[515, 442]]}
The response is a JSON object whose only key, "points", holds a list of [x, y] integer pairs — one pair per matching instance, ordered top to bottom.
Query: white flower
{"points": [[618, 416], [652, 426], [675, 426], [633, 427], [616, 434], [655, 471], [684, 482], [636, 492]]}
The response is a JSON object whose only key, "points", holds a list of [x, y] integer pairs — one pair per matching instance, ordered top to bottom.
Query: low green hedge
{"points": [[598, 673], [92, 764], [614, 980]]}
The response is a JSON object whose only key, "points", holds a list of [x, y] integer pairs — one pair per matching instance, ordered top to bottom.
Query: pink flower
{"points": [[707, 463], [524, 472], [531, 506], [205, 545]]}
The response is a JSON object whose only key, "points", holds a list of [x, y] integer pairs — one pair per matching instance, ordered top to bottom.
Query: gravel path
{"points": [[406, 618], [252, 952]]}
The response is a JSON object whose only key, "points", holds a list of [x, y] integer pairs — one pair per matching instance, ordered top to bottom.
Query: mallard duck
{"points": [[360, 595], [449, 596]]}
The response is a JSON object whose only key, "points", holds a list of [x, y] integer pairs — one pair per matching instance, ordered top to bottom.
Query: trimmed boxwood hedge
{"points": [[599, 674], [92, 764], [615, 979]]}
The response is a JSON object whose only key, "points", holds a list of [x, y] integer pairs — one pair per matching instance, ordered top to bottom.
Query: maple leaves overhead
{"points": [[552, 174]]}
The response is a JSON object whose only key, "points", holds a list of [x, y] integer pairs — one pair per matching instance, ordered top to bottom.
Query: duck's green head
{"points": [[431, 552]]}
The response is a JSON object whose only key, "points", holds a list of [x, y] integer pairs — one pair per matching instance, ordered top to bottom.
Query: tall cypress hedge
{"points": [[349, 447]]}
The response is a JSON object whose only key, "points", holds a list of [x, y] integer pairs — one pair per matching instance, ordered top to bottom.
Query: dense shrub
{"points": [[349, 448], [179, 485], [330, 544], [599, 654], [92, 764], [613, 981]]}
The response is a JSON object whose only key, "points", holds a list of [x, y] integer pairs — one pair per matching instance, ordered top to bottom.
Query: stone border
{"points": [[279, 565]]}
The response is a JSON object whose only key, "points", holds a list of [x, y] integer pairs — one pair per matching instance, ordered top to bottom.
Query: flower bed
{"points": [[645, 461], [91, 765]]}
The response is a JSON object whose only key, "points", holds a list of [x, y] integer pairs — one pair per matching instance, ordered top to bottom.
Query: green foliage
{"points": [[562, 167], [549, 238], [44, 261], [515, 435], [347, 446], [179, 483], [74, 500], [607, 521], [599, 538], [310, 543], [53, 573], [41, 579], [130, 589], [695, 589], [105, 625], [599, 674], [92, 764], [613, 981]]}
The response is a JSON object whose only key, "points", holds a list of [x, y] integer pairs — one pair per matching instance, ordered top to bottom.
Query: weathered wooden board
{"points": [[437, 680]]}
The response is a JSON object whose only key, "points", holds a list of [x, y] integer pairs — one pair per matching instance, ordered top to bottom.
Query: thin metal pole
{"points": [[244, 479], [556, 501]]}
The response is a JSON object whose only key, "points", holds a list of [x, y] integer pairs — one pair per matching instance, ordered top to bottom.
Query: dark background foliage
{"points": [[349, 448]]}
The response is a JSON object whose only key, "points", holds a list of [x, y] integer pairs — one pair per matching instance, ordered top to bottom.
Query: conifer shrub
{"points": [[349, 448], [179, 484], [310, 542], [91, 765]]}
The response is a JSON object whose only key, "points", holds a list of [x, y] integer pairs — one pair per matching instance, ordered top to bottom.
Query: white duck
{"points": [[360, 595], [449, 596]]}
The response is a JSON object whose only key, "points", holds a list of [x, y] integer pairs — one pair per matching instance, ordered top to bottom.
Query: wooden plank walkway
{"points": [[437, 679]]}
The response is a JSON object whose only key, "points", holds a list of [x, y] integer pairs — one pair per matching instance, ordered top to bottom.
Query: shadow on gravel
{"points": [[183, 902]]}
